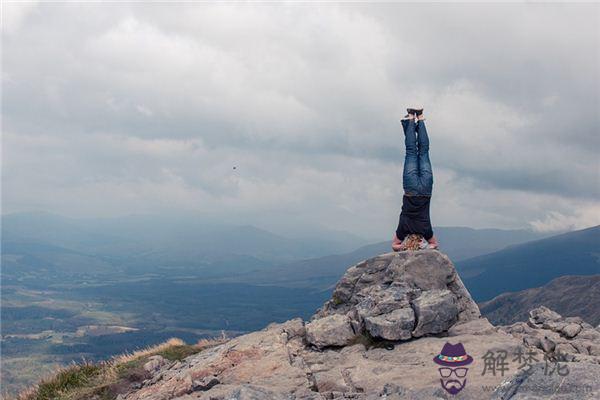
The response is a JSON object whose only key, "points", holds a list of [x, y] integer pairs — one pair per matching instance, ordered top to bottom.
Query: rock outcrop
{"points": [[395, 296], [376, 338], [565, 339]]}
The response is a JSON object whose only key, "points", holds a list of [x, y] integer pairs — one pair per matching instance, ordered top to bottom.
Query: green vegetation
{"points": [[336, 300], [174, 353], [67, 380], [106, 380]]}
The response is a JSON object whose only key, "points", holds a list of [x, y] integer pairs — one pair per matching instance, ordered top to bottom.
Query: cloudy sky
{"points": [[113, 109]]}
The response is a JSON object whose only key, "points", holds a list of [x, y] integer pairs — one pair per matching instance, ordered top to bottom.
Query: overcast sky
{"points": [[113, 109]]}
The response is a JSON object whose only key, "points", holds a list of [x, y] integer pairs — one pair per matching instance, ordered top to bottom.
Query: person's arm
{"points": [[396, 243]]}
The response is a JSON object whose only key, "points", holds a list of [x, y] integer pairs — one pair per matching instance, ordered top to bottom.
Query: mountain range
{"points": [[170, 236], [458, 242], [76, 250], [532, 264], [568, 295]]}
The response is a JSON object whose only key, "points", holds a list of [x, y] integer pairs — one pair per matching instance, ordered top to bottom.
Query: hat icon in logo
{"points": [[453, 355], [453, 373]]}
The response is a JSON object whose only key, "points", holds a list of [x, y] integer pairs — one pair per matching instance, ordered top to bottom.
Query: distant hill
{"points": [[168, 238], [461, 243], [43, 249], [82, 249], [532, 264], [322, 272], [567, 295]]}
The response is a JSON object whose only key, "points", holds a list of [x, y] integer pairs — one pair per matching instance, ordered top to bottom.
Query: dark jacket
{"points": [[414, 217]]}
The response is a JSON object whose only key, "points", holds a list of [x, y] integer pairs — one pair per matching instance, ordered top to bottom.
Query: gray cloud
{"points": [[154, 104]]}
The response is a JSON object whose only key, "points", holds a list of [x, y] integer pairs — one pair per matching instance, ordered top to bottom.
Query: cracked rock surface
{"points": [[400, 296], [581, 382]]}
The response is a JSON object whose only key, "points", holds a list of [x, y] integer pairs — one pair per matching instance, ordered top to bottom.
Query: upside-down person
{"points": [[417, 181]]}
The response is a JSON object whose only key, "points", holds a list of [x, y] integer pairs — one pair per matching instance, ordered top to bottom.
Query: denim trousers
{"points": [[417, 177]]}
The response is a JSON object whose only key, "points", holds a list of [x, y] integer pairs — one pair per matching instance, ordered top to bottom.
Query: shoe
{"points": [[415, 110]]}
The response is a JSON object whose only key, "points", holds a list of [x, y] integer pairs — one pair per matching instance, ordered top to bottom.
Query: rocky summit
{"points": [[394, 297], [377, 337]]}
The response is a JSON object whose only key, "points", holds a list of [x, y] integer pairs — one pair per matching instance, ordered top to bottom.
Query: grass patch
{"points": [[336, 300], [176, 353], [66, 380], [106, 380]]}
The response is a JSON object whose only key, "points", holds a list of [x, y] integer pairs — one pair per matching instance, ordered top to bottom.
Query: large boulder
{"points": [[398, 296], [333, 330]]}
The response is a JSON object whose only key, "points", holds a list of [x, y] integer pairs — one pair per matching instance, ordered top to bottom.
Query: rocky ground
{"points": [[389, 316]]}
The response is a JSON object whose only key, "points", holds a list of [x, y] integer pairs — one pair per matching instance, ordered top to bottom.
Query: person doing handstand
{"points": [[417, 181]]}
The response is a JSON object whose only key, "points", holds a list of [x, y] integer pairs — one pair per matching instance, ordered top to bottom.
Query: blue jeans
{"points": [[417, 178]]}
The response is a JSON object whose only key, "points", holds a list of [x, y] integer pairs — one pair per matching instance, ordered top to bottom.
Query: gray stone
{"points": [[383, 300], [436, 311], [540, 315], [576, 320], [396, 325], [480, 326], [555, 326], [517, 328], [293, 329], [333, 330], [571, 330], [589, 334], [533, 341], [547, 345], [581, 346], [565, 348], [594, 349], [154, 363], [582, 382], [205, 383], [391, 388], [248, 392]]}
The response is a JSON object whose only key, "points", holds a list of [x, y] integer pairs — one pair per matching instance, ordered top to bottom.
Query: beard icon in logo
{"points": [[453, 373]]}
